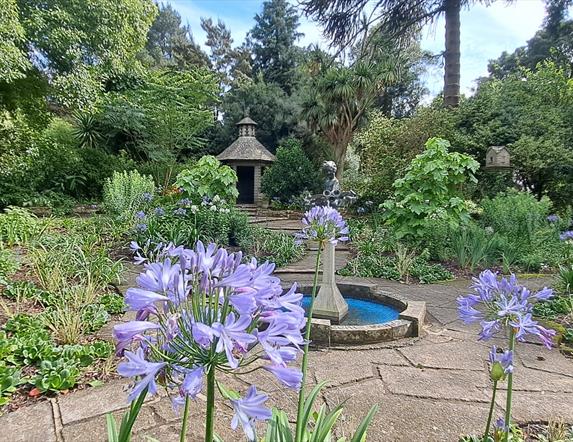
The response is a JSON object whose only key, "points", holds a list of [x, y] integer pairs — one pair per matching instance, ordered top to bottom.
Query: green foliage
{"points": [[273, 43], [82, 45], [13, 60], [163, 118], [387, 145], [291, 174], [208, 178], [432, 189], [123, 194], [182, 223], [18, 226], [267, 245], [379, 255], [8, 264], [565, 279], [113, 303], [555, 307], [94, 317], [56, 375], [10, 379], [317, 426]]}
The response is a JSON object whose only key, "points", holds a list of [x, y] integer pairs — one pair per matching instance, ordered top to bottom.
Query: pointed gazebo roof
{"points": [[246, 147]]}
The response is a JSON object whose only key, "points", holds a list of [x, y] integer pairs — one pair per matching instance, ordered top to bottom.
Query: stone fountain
{"points": [[329, 303]]}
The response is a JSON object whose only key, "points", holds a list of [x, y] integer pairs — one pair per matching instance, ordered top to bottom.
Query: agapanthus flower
{"points": [[147, 197], [184, 202], [159, 211], [180, 211], [140, 214], [552, 218], [323, 223], [141, 227], [566, 236], [498, 303], [205, 309], [501, 363], [137, 365], [249, 409]]}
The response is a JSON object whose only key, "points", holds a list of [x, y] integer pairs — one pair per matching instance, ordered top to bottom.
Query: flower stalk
{"points": [[301, 397], [509, 397], [490, 415], [209, 421]]}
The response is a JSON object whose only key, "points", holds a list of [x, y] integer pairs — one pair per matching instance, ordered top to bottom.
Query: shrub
{"points": [[291, 174], [208, 178], [431, 190], [125, 193], [516, 215], [182, 223], [18, 226], [267, 245]]}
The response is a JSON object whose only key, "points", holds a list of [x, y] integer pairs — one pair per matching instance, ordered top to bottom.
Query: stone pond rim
{"points": [[409, 324]]}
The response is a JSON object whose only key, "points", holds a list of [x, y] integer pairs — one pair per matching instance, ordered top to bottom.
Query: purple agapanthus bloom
{"points": [[147, 197], [184, 202], [159, 211], [180, 212], [140, 214], [552, 218], [323, 223], [141, 227], [566, 236], [498, 303], [204, 309], [127, 332], [504, 359], [136, 365], [291, 377], [249, 409]]}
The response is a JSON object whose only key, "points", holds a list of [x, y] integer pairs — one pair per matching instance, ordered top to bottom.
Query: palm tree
{"points": [[345, 20], [337, 99]]}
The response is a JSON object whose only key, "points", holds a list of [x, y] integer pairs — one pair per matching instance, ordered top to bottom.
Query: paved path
{"points": [[432, 388]]}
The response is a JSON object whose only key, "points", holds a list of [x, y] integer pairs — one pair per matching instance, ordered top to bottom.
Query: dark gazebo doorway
{"points": [[246, 184]]}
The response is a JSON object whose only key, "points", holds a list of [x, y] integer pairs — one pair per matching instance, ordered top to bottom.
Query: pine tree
{"points": [[272, 40]]}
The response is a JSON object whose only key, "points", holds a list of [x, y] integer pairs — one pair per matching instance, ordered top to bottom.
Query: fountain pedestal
{"points": [[329, 303]]}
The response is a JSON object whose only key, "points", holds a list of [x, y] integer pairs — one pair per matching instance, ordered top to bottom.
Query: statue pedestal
{"points": [[329, 303]]}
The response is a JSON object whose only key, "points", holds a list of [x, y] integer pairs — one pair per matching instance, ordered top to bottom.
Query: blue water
{"points": [[362, 312]]}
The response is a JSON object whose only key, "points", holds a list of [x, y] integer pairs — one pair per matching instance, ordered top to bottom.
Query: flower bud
{"points": [[497, 372]]}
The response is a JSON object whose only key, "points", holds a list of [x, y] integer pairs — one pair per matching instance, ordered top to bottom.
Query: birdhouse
{"points": [[497, 157]]}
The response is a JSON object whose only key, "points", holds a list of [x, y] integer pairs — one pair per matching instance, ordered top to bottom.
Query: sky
{"points": [[485, 31]]}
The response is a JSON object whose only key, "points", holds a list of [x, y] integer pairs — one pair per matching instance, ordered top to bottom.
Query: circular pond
{"points": [[363, 311], [374, 315]]}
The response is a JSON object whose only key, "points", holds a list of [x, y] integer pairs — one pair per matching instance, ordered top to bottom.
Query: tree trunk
{"points": [[452, 54], [339, 157]]}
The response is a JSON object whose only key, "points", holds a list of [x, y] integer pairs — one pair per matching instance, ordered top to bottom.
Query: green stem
{"points": [[509, 387], [491, 407], [299, 414], [209, 422], [183, 433]]}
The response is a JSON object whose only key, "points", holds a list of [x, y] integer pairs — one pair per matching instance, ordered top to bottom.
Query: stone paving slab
{"points": [[454, 355], [435, 384], [91, 402], [535, 407], [402, 418], [30, 424]]}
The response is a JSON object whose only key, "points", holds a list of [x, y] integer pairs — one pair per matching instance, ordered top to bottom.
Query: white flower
{"points": [[216, 198], [194, 208], [213, 208]]}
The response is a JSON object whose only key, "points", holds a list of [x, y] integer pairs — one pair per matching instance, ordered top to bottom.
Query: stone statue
{"points": [[331, 184], [331, 195]]}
